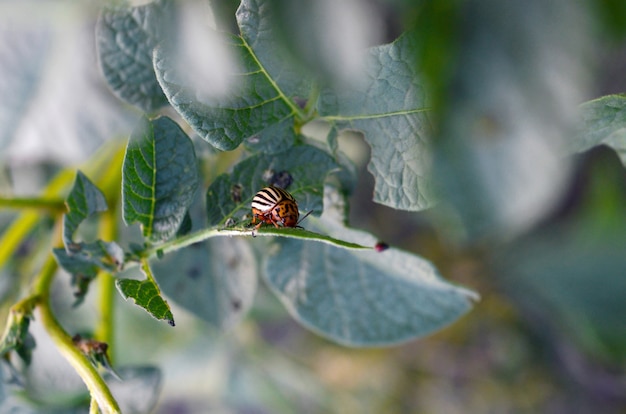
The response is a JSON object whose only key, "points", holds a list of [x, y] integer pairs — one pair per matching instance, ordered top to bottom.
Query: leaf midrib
{"points": [[295, 110]]}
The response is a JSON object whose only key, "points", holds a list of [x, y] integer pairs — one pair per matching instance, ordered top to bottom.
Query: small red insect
{"points": [[273, 205], [381, 246]]}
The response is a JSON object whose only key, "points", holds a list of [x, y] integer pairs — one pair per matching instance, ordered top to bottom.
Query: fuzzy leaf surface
{"points": [[126, 38], [264, 86], [390, 109], [160, 178], [215, 280], [361, 298]]}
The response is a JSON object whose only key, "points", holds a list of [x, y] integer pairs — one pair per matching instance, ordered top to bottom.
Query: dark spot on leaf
{"points": [[301, 102], [282, 179], [235, 193], [193, 272], [236, 303], [171, 322]]}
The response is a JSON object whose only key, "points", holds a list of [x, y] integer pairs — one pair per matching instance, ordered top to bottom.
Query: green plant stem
{"points": [[54, 205], [205, 234], [106, 289], [94, 382]]}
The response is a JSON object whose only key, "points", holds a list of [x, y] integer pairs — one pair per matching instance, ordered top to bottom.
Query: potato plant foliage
{"points": [[163, 216]]}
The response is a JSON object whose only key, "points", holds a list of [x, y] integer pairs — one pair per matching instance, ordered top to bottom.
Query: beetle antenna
{"points": [[303, 217]]}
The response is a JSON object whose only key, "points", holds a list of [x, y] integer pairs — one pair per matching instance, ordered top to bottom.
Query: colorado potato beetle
{"points": [[273, 205]]}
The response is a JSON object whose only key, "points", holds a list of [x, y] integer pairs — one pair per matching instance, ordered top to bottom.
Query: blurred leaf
{"points": [[126, 38], [328, 38], [48, 64], [263, 92], [391, 110], [603, 122], [499, 153], [160, 178], [230, 195], [84, 200], [84, 261], [569, 276], [215, 280], [574, 282], [146, 294], [361, 298], [16, 336], [139, 390]]}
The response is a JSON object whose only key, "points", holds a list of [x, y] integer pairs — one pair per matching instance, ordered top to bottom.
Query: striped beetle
{"points": [[273, 205]]}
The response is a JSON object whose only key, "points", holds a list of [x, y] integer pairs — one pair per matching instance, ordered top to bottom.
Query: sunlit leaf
{"points": [[160, 178]]}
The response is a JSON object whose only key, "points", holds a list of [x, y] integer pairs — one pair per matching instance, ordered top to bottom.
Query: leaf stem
{"points": [[54, 205], [205, 234], [106, 283], [94, 382]]}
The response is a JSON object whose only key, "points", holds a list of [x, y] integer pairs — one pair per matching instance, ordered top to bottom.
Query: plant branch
{"points": [[54, 205], [90, 376]]}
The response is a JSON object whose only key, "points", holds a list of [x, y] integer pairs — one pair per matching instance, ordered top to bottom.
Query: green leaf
{"points": [[126, 38], [264, 88], [391, 111], [603, 122], [272, 139], [499, 154], [160, 178], [230, 195], [84, 200], [85, 260], [215, 280], [147, 295], [361, 298], [16, 336]]}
